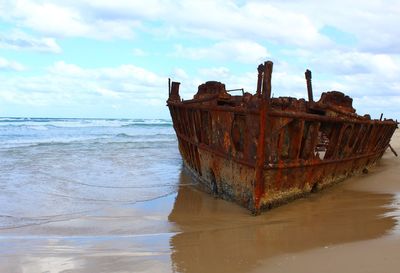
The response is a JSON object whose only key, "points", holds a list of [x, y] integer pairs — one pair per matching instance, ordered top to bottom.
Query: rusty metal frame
{"points": [[281, 138]]}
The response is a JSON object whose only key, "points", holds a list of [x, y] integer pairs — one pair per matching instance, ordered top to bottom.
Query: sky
{"points": [[112, 59]]}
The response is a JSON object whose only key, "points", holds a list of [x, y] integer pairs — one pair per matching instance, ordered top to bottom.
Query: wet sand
{"points": [[351, 227]]}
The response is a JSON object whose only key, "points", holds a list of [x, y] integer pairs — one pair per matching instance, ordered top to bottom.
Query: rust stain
{"points": [[261, 152]]}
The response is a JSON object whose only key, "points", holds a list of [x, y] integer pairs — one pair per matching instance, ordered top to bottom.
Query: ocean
{"points": [[57, 169]]}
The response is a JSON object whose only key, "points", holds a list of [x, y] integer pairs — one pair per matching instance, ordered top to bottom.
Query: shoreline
{"points": [[352, 226]]}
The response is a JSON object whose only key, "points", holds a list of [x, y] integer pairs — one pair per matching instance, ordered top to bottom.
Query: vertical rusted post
{"points": [[260, 70], [267, 80], [309, 85], [169, 87], [174, 94], [260, 161]]}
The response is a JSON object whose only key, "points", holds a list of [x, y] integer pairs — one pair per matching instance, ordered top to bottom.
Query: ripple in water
{"points": [[76, 166]]}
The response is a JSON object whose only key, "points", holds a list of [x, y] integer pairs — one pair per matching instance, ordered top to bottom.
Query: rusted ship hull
{"points": [[261, 152]]}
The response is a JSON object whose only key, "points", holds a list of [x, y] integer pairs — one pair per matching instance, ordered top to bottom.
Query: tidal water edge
{"points": [[110, 195]]}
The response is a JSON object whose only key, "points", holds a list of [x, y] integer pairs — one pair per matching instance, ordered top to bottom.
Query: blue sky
{"points": [[113, 58]]}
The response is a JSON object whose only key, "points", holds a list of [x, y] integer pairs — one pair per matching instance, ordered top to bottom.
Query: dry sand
{"points": [[351, 227]]}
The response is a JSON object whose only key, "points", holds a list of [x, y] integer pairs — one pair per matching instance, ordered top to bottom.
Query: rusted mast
{"points": [[260, 69], [309, 85], [169, 87], [260, 161]]}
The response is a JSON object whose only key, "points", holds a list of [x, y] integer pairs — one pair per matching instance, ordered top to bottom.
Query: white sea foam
{"points": [[79, 123], [22, 132]]}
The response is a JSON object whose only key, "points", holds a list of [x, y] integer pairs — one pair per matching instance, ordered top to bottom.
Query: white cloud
{"points": [[125, 9], [65, 19], [224, 19], [250, 21], [287, 23], [373, 23], [246, 33], [18, 40], [237, 50], [138, 52], [354, 62], [10, 65], [62, 68], [215, 72], [131, 73], [355, 73], [179, 74], [117, 77], [284, 82], [71, 84], [375, 90], [107, 92], [387, 105]]}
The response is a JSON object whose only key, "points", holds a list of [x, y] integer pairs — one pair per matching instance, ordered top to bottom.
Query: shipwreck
{"points": [[261, 152]]}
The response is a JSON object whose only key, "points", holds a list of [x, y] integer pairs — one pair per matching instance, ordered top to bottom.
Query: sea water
{"points": [[59, 169]]}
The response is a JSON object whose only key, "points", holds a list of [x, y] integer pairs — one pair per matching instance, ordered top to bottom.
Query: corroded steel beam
{"points": [[264, 108]]}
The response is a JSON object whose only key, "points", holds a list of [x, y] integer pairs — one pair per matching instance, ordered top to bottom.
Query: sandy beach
{"points": [[351, 227]]}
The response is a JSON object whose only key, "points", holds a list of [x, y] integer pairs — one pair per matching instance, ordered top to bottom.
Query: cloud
{"points": [[125, 9], [64, 19], [104, 19], [251, 21], [373, 23], [18, 40], [349, 45], [237, 50], [138, 52], [355, 62], [10, 65], [68, 70], [215, 72], [353, 72], [126, 73], [179, 74], [358, 74], [284, 82], [71, 84], [374, 88], [107, 92], [387, 105]]}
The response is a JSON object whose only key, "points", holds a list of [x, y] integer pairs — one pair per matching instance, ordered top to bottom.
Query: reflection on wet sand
{"points": [[193, 232], [217, 236], [130, 238], [86, 254]]}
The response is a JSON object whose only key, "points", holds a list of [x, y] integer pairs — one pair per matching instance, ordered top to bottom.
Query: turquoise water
{"points": [[60, 169]]}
